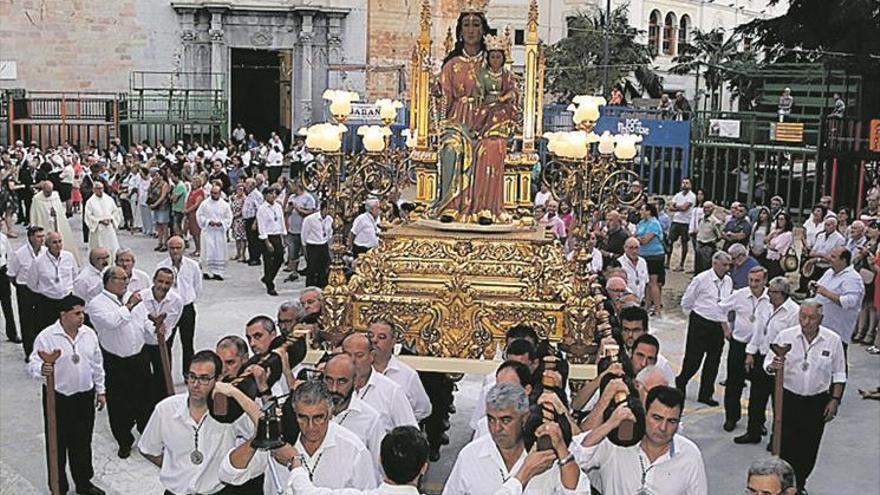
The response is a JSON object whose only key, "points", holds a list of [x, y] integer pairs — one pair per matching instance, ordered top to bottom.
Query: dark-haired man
{"points": [[272, 229], [20, 263], [50, 278], [187, 283], [840, 292], [158, 313], [260, 332], [382, 336], [79, 386], [184, 440], [404, 461], [663, 462]]}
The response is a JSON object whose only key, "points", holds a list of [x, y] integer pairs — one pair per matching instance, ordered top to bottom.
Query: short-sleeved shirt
{"points": [[180, 192], [680, 199], [295, 220], [736, 226], [655, 246]]}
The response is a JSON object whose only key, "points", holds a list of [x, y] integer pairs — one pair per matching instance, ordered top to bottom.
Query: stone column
{"points": [[306, 42], [334, 49], [218, 50]]}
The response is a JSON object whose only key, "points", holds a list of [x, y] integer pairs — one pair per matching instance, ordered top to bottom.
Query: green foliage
{"points": [[574, 63]]}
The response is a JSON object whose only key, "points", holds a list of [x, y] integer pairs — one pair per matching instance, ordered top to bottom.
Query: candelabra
{"points": [[345, 180]]}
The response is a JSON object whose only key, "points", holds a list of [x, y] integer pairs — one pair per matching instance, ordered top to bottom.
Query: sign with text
{"points": [[724, 128]]}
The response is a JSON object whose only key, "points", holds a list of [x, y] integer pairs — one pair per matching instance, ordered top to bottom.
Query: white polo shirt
{"points": [[53, 277], [187, 278], [88, 283], [118, 332], [70, 377]]}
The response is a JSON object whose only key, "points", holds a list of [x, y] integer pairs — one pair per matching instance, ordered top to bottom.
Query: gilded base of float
{"points": [[453, 293]]}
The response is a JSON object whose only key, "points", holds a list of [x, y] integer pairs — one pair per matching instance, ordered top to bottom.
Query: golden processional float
{"points": [[452, 278]]}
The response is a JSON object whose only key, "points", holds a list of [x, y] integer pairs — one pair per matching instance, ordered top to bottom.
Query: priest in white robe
{"points": [[48, 212], [102, 218], [215, 218]]}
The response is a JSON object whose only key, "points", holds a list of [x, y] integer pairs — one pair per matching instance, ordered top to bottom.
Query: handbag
{"points": [[789, 262]]}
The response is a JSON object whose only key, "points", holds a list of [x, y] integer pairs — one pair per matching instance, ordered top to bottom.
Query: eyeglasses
{"points": [[203, 379], [752, 491]]}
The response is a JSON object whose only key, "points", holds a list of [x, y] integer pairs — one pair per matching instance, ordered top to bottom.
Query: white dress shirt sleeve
{"points": [[690, 295], [401, 410], [151, 441], [232, 475], [299, 484]]}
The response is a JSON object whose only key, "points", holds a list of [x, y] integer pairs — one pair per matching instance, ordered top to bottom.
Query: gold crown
{"points": [[474, 6], [499, 42]]}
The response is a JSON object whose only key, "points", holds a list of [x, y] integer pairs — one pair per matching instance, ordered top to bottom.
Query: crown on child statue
{"points": [[474, 6], [499, 42]]}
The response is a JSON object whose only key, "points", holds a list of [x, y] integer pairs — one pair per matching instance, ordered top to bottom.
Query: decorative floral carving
{"points": [[261, 38]]}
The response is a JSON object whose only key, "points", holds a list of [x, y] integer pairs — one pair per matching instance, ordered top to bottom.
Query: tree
{"points": [[713, 56], [574, 63]]}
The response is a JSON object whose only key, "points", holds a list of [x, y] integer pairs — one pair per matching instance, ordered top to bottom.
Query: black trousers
{"points": [[274, 173], [126, 213], [254, 245], [357, 250], [703, 256], [272, 260], [318, 260], [6, 303], [45, 314], [27, 316], [186, 326], [705, 339], [127, 379], [156, 379], [736, 380], [439, 389], [759, 394], [75, 420], [803, 422]]}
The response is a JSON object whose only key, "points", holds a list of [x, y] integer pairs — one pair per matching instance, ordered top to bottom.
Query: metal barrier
{"points": [[50, 118]]}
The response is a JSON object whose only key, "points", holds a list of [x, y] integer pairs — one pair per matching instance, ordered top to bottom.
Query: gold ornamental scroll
{"points": [[423, 81]]}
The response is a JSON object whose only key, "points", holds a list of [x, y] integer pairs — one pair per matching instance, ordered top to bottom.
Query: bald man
{"points": [[88, 283]]}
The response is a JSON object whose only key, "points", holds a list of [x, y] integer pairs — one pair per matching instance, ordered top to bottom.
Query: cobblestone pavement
{"points": [[847, 461]]}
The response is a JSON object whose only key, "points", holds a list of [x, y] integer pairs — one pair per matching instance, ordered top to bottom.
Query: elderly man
{"points": [[47, 212], [249, 214], [102, 218], [215, 218], [737, 229], [364, 233], [708, 234], [857, 237], [614, 238], [826, 241], [741, 267], [636, 268], [137, 278], [50, 279], [88, 283], [187, 283], [840, 292], [750, 305], [157, 314], [289, 314], [707, 326], [383, 336], [122, 342], [233, 352], [813, 381], [374, 388], [348, 409], [333, 456], [663, 462], [498, 463], [771, 475]]}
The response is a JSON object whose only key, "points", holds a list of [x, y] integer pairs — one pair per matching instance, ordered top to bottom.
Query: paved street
{"points": [[847, 462]]}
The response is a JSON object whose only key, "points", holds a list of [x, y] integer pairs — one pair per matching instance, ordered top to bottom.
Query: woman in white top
{"points": [[696, 216], [814, 225], [759, 234], [778, 241]]}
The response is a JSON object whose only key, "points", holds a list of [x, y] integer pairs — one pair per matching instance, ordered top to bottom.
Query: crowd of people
{"points": [[362, 420]]}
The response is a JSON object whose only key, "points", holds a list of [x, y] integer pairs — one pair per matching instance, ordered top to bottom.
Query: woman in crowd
{"points": [[193, 200], [160, 206], [843, 222], [813, 225], [239, 234], [650, 235], [758, 237], [778, 241], [864, 263]]}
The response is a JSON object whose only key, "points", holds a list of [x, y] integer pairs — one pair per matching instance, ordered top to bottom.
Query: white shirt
{"points": [[274, 159], [542, 197], [680, 199], [270, 220], [317, 230], [365, 230], [826, 242], [5, 251], [20, 262], [636, 275], [53, 277], [187, 279], [139, 280], [88, 283], [704, 294], [171, 305], [749, 311], [842, 318], [777, 320], [118, 332], [824, 360], [70, 378], [408, 379], [389, 399], [368, 424], [171, 433], [341, 461], [480, 470], [680, 471], [299, 484]]}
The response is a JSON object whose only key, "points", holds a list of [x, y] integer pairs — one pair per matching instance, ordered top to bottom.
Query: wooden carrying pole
{"points": [[780, 351], [166, 362], [52, 422]]}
